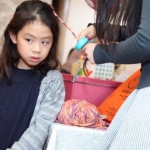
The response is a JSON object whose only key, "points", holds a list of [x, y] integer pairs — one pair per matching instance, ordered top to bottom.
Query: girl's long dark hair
{"points": [[25, 13], [111, 14]]}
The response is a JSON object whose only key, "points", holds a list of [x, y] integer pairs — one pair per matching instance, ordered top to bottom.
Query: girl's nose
{"points": [[36, 48]]}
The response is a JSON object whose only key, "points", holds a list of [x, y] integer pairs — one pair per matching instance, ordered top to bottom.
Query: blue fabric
{"points": [[17, 103]]}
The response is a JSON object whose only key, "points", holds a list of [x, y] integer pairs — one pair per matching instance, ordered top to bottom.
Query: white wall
{"points": [[7, 8], [79, 15]]}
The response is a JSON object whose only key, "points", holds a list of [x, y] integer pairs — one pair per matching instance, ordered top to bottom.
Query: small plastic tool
{"points": [[83, 41]]}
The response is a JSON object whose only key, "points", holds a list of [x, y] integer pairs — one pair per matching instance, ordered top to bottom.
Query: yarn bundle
{"points": [[80, 113]]}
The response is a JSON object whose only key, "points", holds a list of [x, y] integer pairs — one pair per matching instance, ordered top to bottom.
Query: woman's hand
{"points": [[89, 32], [88, 50]]}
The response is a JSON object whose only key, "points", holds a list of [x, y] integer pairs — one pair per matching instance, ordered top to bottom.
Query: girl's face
{"points": [[34, 42]]}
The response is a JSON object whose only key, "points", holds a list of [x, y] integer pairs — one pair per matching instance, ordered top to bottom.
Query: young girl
{"points": [[31, 90], [130, 128]]}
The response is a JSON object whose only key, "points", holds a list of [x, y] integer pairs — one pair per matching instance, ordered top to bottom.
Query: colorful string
{"points": [[63, 22], [87, 72]]}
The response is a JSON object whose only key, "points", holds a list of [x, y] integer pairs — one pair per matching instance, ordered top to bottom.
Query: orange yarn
{"points": [[80, 113]]}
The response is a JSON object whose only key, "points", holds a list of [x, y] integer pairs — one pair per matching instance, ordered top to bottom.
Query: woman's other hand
{"points": [[88, 32], [88, 50]]}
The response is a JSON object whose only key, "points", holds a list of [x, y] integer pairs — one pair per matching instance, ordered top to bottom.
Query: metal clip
{"points": [[74, 78]]}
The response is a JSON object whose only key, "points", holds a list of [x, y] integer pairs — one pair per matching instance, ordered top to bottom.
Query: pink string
{"points": [[63, 22]]}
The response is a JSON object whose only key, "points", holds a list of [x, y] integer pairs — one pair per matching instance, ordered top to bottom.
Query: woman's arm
{"points": [[135, 49], [49, 103]]}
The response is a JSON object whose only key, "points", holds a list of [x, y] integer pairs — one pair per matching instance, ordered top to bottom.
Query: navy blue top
{"points": [[17, 103]]}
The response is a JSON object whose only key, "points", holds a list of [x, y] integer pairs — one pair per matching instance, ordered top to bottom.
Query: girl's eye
{"points": [[28, 40], [44, 42]]}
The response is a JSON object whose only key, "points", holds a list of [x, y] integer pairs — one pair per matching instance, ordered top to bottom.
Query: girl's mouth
{"points": [[34, 59]]}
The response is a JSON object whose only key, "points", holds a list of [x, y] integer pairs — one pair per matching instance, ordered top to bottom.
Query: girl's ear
{"points": [[13, 37]]}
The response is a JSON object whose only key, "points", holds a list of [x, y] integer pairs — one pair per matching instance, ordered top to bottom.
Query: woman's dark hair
{"points": [[27, 12], [112, 13], [116, 21]]}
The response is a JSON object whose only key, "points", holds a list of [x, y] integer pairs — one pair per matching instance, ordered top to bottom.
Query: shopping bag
{"points": [[111, 105]]}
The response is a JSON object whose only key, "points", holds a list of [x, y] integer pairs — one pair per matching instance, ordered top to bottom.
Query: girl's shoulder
{"points": [[54, 75], [53, 78]]}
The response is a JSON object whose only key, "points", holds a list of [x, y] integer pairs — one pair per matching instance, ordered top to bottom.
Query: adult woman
{"points": [[129, 129]]}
